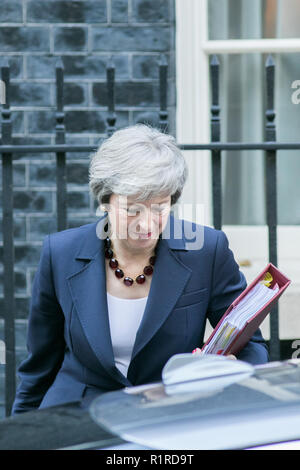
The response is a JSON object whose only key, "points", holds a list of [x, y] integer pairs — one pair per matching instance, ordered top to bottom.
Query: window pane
{"points": [[254, 19], [242, 100], [242, 120], [288, 124]]}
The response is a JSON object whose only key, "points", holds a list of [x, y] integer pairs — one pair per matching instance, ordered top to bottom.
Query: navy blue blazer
{"points": [[70, 353]]}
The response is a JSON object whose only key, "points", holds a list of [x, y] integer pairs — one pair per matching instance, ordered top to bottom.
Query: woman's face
{"points": [[139, 224]]}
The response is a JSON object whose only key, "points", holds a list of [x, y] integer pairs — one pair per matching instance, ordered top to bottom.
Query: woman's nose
{"points": [[144, 222]]}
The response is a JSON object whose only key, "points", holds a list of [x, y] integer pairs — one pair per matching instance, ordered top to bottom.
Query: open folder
{"points": [[246, 313]]}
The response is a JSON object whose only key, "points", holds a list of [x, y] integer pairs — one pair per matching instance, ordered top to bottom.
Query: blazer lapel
{"points": [[88, 290]]}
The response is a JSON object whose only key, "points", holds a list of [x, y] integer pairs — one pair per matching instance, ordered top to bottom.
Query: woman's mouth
{"points": [[143, 236]]}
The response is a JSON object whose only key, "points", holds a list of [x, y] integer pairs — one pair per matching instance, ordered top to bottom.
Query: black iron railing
{"points": [[61, 149]]}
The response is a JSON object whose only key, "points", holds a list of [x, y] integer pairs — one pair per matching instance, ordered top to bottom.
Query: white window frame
{"points": [[249, 243]]}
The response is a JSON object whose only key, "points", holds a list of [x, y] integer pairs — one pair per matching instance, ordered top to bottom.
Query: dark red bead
{"points": [[107, 243], [109, 253], [152, 260], [113, 263], [148, 270], [119, 273], [140, 279], [128, 281]]}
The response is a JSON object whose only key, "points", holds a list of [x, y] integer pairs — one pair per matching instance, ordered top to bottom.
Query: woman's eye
{"points": [[160, 209], [132, 211]]}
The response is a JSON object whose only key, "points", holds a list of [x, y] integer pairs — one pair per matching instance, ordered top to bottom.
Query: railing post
{"points": [[110, 81], [163, 94], [215, 137], [61, 180], [271, 198], [8, 247]]}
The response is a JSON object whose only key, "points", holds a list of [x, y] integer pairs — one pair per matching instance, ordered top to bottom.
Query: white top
{"points": [[125, 316]]}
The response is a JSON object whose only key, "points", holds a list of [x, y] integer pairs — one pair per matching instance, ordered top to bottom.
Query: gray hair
{"points": [[138, 161]]}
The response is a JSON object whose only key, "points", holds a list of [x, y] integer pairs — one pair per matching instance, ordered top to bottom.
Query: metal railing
{"points": [[8, 150]]}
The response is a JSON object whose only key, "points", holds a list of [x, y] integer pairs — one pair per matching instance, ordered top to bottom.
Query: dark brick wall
{"points": [[84, 33]]}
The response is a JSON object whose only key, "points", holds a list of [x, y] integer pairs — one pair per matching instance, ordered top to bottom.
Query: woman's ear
{"points": [[104, 207]]}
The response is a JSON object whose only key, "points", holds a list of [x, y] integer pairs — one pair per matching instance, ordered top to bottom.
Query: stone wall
{"points": [[84, 33]]}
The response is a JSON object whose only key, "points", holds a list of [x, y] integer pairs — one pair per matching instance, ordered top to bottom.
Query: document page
{"points": [[234, 322]]}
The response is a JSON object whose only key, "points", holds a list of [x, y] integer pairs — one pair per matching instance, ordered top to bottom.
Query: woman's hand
{"points": [[198, 351]]}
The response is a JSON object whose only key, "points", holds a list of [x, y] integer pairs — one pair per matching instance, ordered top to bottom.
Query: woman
{"points": [[112, 301]]}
